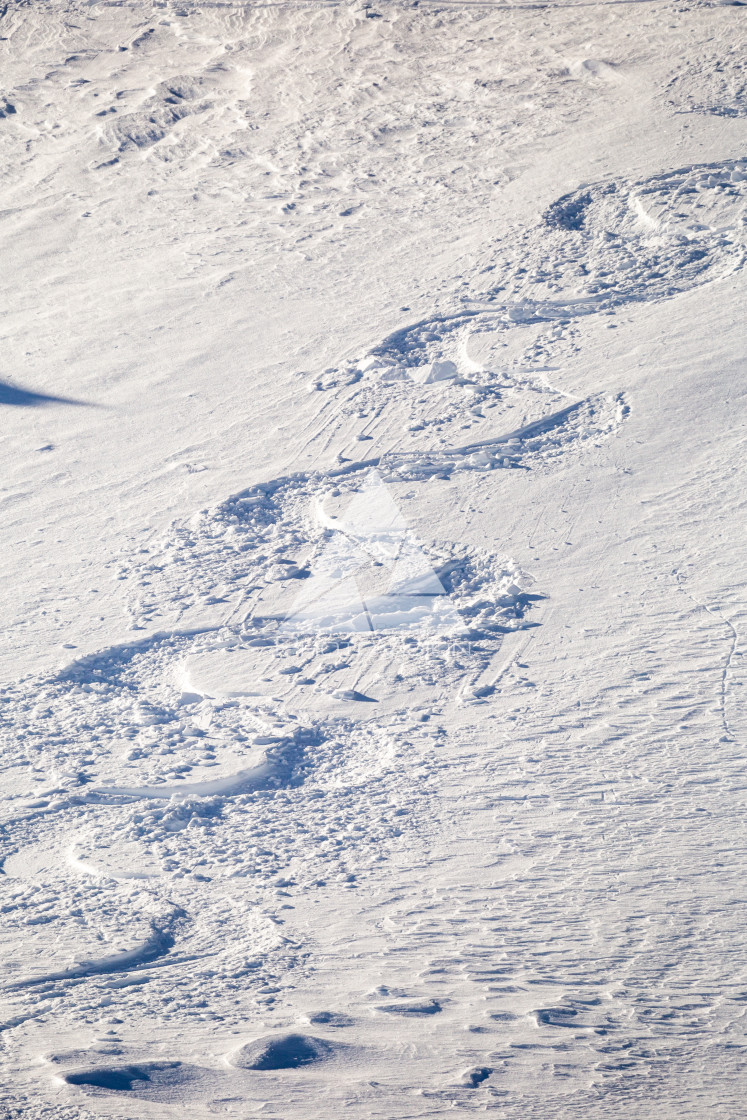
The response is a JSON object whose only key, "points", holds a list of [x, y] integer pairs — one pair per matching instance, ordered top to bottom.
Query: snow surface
{"points": [[374, 584]]}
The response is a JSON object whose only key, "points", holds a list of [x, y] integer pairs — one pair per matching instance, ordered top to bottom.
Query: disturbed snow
{"points": [[374, 606]]}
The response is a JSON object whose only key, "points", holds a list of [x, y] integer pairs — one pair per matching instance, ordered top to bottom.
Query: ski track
{"points": [[263, 538], [216, 552], [733, 643], [236, 799], [159, 943]]}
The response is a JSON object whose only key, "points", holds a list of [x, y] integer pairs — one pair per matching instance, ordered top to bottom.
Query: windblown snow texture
{"points": [[374, 593]]}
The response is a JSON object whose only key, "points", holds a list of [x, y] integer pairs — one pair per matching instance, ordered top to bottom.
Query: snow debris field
{"points": [[373, 568]]}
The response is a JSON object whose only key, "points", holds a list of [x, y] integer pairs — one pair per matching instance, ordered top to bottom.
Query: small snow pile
{"points": [[286, 1051]]}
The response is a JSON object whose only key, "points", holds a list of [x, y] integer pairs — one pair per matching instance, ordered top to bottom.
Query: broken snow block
{"points": [[434, 371]]}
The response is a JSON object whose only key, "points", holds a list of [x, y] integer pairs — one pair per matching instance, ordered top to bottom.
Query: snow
{"points": [[374, 594]]}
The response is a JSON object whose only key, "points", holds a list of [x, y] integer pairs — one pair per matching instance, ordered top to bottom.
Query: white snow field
{"points": [[374, 593]]}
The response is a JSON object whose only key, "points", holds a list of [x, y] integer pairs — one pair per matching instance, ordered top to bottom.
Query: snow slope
{"points": [[374, 583]]}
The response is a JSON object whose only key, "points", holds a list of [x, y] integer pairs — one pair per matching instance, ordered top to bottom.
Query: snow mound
{"points": [[287, 1051]]}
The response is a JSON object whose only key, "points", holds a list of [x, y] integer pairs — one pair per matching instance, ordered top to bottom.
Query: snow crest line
{"points": [[242, 780], [160, 942]]}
